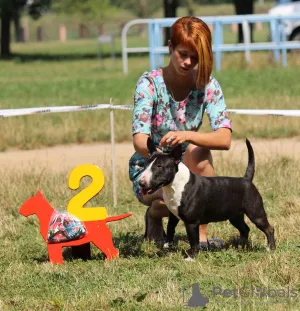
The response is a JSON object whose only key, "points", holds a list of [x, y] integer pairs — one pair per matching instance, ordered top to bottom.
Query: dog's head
{"points": [[161, 168]]}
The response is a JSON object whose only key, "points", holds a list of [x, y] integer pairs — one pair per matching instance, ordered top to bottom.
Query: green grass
{"points": [[57, 74], [146, 277]]}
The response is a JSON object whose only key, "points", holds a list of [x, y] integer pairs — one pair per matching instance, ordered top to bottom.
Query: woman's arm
{"points": [[144, 98], [220, 137], [217, 140], [140, 144]]}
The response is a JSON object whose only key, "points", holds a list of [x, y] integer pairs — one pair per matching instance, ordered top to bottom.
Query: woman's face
{"points": [[183, 59]]}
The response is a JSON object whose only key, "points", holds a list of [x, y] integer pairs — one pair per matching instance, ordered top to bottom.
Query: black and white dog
{"points": [[200, 200]]}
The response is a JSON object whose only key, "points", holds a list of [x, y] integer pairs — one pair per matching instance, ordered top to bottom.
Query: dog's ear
{"points": [[151, 147], [176, 153]]}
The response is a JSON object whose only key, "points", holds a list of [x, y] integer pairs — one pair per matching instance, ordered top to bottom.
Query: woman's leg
{"points": [[199, 161], [153, 217]]}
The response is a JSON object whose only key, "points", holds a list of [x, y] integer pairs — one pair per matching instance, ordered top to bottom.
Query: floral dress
{"points": [[156, 113]]}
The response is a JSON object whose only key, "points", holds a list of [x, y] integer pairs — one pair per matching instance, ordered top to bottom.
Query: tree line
{"points": [[10, 10]]}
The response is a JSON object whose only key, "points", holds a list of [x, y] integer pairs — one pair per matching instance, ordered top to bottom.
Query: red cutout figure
{"points": [[97, 231]]}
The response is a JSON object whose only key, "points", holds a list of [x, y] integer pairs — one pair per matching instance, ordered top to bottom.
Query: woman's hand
{"points": [[174, 138], [140, 144]]}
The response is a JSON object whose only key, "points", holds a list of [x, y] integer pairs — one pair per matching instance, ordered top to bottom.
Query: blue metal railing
{"points": [[279, 44]]}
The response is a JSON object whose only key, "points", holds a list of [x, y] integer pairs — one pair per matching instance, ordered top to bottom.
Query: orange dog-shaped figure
{"points": [[97, 231]]}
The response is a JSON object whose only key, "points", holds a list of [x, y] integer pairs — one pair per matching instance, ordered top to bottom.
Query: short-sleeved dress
{"points": [[156, 113]]}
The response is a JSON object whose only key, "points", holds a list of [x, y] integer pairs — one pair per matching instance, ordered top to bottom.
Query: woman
{"points": [[168, 106]]}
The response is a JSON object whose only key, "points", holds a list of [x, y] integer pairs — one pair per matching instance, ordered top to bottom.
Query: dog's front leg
{"points": [[172, 223], [192, 231]]}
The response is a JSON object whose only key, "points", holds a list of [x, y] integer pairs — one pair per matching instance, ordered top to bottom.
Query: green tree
{"points": [[190, 7], [8, 8], [83, 8], [141, 8], [145, 8], [83, 11]]}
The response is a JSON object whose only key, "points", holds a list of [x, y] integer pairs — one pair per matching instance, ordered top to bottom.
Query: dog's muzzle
{"points": [[146, 189]]}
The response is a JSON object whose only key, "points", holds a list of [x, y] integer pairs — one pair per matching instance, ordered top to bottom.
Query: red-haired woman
{"points": [[169, 104]]}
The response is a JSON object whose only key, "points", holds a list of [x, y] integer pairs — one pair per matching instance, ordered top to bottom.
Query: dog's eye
{"points": [[158, 165]]}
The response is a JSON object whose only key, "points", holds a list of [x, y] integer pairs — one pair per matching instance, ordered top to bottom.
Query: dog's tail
{"points": [[251, 162], [119, 217]]}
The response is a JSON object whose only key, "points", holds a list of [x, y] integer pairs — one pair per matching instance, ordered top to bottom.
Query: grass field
{"points": [[55, 74], [145, 277]]}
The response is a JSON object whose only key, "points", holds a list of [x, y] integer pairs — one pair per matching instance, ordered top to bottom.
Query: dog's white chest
{"points": [[172, 193], [172, 201]]}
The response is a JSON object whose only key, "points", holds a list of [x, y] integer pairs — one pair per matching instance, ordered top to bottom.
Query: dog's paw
{"points": [[167, 245], [190, 254], [190, 259]]}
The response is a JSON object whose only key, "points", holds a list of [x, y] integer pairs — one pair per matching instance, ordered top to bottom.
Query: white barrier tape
{"points": [[122, 107], [68, 108], [41, 110], [284, 113]]}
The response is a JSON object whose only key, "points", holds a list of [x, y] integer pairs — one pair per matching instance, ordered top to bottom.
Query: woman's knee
{"points": [[199, 160], [205, 168], [150, 198], [158, 209]]}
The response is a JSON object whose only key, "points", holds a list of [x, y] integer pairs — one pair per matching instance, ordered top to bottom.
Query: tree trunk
{"points": [[190, 7], [243, 7], [170, 8], [142, 13], [16, 19], [5, 34]]}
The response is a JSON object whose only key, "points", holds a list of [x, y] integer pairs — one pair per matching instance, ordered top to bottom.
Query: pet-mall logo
{"points": [[254, 292], [259, 294], [197, 299]]}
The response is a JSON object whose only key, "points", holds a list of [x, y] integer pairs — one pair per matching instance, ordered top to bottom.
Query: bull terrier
{"points": [[200, 200]]}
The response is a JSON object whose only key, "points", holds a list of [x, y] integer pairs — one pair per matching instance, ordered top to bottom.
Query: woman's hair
{"points": [[194, 33]]}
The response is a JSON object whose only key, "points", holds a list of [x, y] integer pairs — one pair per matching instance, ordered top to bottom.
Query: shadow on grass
{"points": [[236, 243], [129, 244], [132, 244], [42, 259]]}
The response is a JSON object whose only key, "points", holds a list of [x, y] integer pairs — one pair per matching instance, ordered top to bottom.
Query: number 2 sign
{"points": [[76, 204]]}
